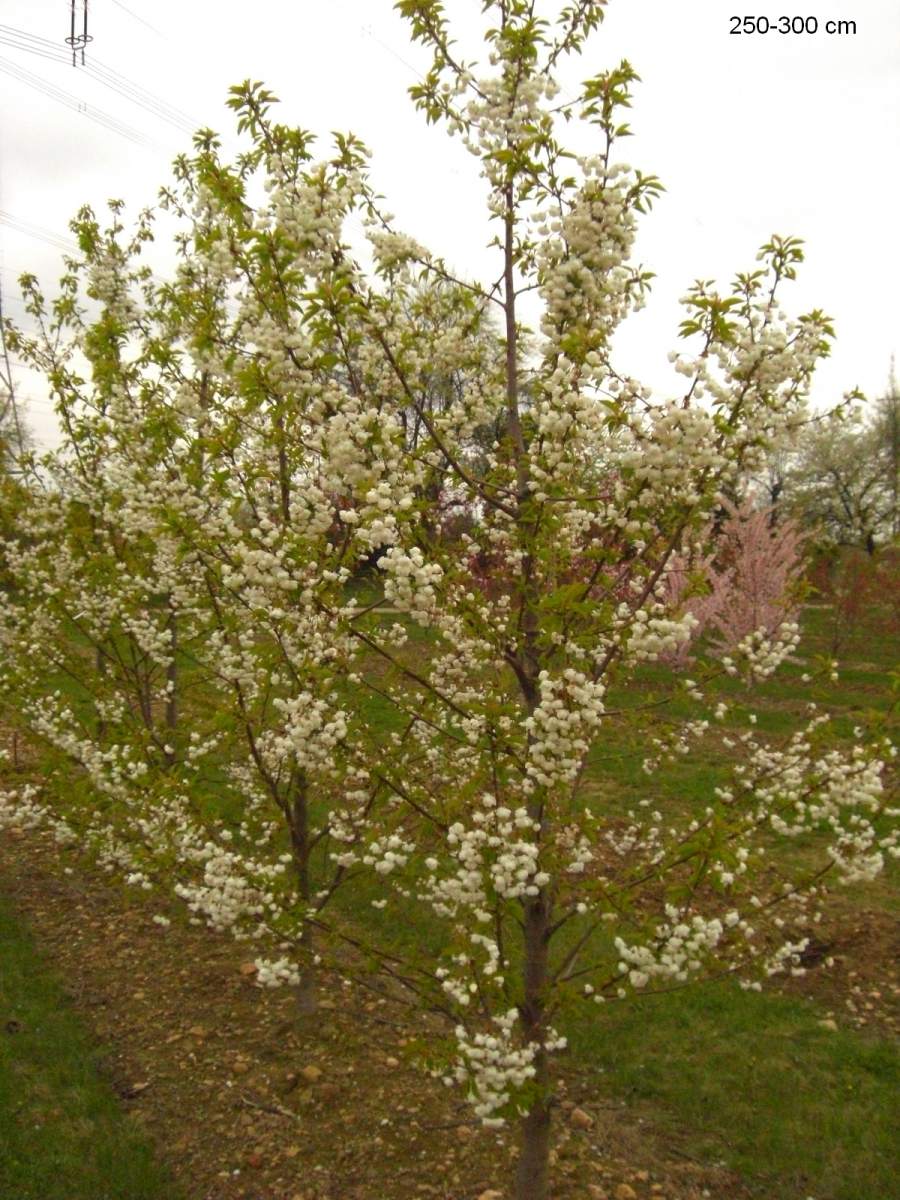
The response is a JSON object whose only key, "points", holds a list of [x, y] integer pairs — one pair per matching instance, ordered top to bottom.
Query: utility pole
{"points": [[78, 41]]}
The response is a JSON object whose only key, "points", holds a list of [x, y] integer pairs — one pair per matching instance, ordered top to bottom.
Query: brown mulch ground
{"points": [[861, 986], [247, 1100]]}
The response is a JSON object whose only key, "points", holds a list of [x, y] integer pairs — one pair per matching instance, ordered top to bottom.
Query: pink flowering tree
{"points": [[287, 410], [747, 586]]}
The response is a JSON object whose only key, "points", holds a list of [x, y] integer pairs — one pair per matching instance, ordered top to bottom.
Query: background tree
{"points": [[887, 425], [15, 438], [843, 478]]}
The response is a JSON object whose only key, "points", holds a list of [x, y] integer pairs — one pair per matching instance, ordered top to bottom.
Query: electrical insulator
{"points": [[78, 41]]}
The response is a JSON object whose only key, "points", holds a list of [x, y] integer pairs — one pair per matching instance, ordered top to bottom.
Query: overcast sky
{"points": [[751, 134]]}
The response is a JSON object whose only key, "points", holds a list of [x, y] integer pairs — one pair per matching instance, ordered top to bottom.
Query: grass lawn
{"points": [[753, 1079], [755, 1082], [63, 1133]]}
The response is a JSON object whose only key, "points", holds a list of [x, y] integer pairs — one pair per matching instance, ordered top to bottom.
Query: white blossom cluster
{"points": [[410, 582], [653, 634], [763, 651], [568, 713], [311, 730], [21, 808], [495, 853], [679, 948], [275, 973], [493, 1066]]}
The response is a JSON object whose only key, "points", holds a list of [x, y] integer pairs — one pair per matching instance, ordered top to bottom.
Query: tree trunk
{"points": [[100, 668], [172, 682], [306, 988], [307, 997], [534, 1156], [532, 1169]]}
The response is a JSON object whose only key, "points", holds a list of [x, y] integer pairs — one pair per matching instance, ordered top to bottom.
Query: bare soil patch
{"points": [[853, 968]]}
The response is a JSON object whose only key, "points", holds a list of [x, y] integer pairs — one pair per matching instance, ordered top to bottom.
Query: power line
{"points": [[134, 15], [368, 31], [19, 39], [15, 42], [141, 97], [66, 98], [39, 232], [42, 234], [40, 403]]}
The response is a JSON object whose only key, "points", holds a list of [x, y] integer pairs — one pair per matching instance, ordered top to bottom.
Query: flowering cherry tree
{"points": [[158, 568], [310, 770], [547, 900]]}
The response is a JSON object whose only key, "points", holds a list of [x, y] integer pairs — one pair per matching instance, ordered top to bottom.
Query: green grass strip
{"points": [[754, 1081], [63, 1134]]}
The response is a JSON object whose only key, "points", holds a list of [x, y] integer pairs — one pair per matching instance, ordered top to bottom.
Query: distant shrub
{"points": [[751, 582]]}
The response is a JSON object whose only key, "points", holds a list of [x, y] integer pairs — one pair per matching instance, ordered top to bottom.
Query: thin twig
{"points": [[275, 1109]]}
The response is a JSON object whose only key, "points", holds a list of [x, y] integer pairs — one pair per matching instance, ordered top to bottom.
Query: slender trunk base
{"points": [[172, 682], [299, 825], [307, 997], [534, 1157]]}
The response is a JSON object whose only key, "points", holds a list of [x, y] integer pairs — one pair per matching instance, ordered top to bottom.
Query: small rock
{"points": [[248, 968], [828, 1023], [197, 1031], [390, 1061], [241, 1067], [311, 1074], [579, 1119], [642, 1176], [596, 1192], [625, 1192], [491, 1194]]}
